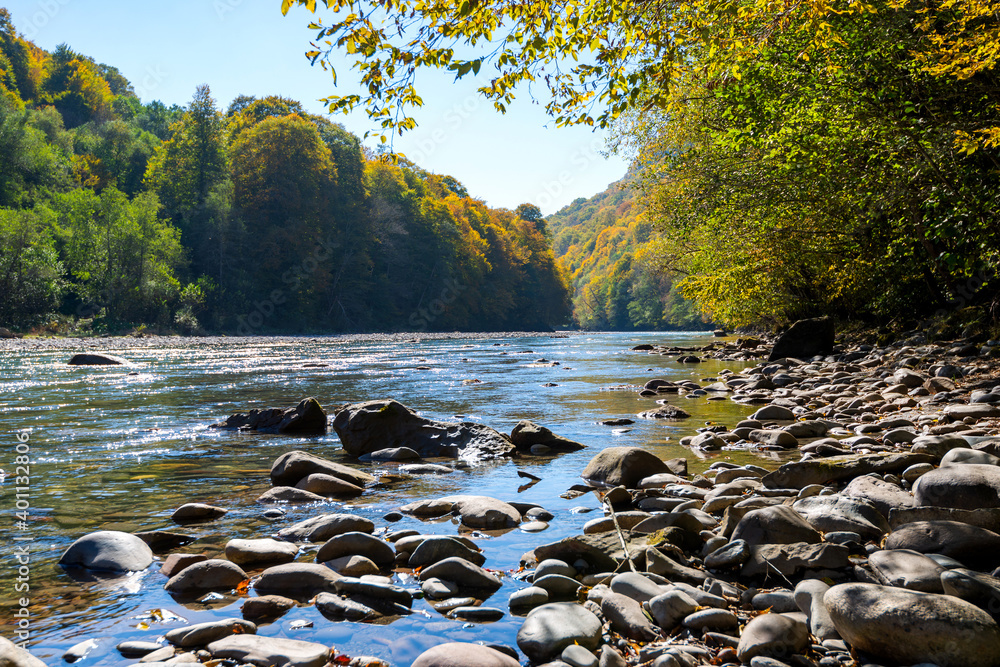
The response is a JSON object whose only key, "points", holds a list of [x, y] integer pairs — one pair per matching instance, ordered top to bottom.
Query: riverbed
{"points": [[121, 447]]}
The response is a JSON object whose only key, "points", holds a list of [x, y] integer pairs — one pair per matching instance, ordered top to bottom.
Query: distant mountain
{"points": [[606, 246]]}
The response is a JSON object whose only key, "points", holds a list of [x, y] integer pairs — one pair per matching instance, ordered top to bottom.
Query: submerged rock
{"points": [[306, 418], [375, 425], [527, 434], [110, 551]]}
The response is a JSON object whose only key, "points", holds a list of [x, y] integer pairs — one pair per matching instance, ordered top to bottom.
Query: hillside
{"points": [[604, 246]]}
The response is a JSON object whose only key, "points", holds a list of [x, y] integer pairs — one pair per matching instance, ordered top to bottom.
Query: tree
{"points": [[30, 271]]}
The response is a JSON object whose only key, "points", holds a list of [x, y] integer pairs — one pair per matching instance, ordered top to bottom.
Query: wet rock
{"points": [[804, 339], [96, 360], [665, 412], [773, 412], [306, 418], [374, 425], [527, 434], [774, 438], [391, 454], [625, 466], [291, 467], [425, 469], [799, 474], [328, 485], [969, 486], [289, 494], [428, 508], [484, 512], [197, 513], [837, 513], [779, 524], [322, 528], [164, 540], [357, 544], [970, 545], [437, 548], [108, 550], [255, 552], [177, 562], [353, 566], [904, 568], [463, 573], [209, 575], [297, 578], [435, 589], [374, 591], [528, 598], [266, 607], [340, 608], [475, 614], [908, 627], [549, 629], [206, 633], [772, 636], [134, 649], [79, 651], [270, 651], [456, 654], [12, 655]]}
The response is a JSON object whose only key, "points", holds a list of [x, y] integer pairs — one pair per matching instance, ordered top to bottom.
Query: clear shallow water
{"points": [[118, 451]]}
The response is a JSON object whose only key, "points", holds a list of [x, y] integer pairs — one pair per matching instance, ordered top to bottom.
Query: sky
{"points": [[166, 49]]}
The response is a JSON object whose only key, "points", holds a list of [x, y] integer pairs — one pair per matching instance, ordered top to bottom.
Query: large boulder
{"points": [[805, 339], [96, 360], [306, 418], [374, 425], [527, 434], [623, 466], [292, 467], [799, 474], [968, 486], [885, 496], [484, 512], [838, 513], [779, 524], [321, 528], [970, 545], [110, 551], [908, 627], [548, 629], [270, 651], [456, 654], [12, 655]]}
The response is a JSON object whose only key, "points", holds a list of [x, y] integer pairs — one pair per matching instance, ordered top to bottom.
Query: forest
{"points": [[836, 157], [118, 214]]}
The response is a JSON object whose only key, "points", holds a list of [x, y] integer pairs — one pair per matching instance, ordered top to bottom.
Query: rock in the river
{"points": [[805, 339], [96, 360], [665, 412], [771, 412], [306, 418], [373, 425], [527, 434], [624, 466], [291, 467], [328, 485], [968, 486], [289, 494], [484, 512], [197, 513], [322, 528], [357, 544], [970, 545], [438, 547], [108, 550], [253, 552], [463, 573], [208, 575], [298, 579], [266, 607], [908, 627], [548, 629], [201, 634], [772, 636], [270, 651], [456, 654], [12, 655]]}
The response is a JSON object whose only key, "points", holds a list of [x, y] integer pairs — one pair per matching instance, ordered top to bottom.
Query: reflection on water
{"points": [[120, 448]]}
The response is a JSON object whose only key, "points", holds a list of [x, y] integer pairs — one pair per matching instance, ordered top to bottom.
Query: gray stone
{"points": [[93, 359], [974, 410], [773, 412], [306, 418], [373, 425], [527, 434], [774, 438], [391, 454], [960, 456], [625, 466], [291, 467], [799, 474], [327, 485], [969, 486], [289, 494], [885, 496], [428, 508], [484, 512], [197, 513], [839, 513], [779, 524], [322, 528], [357, 544], [972, 546], [437, 548], [109, 551], [252, 552], [733, 554], [787, 560], [177, 562], [353, 566], [904, 568], [463, 573], [209, 575], [297, 578], [558, 586], [636, 586], [982, 590], [528, 598], [809, 599], [265, 607], [341, 608], [670, 608], [626, 617], [711, 620], [909, 627], [548, 629], [206, 633], [772, 636], [132, 649], [270, 651], [456, 654], [577, 656]]}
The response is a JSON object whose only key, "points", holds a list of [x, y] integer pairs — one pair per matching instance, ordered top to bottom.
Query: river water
{"points": [[116, 448]]}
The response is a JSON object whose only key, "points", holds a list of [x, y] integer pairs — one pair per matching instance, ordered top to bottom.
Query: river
{"points": [[119, 448]]}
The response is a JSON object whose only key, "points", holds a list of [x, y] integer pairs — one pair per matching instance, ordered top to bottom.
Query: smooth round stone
{"points": [[915, 471], [196, 512], [273, 513], [539, 514], [534, 526], [359, 544], [436, 548], [108, 550], [249, 552], [733, 554], [353, 566], [554, 566], [904, 568], [209, 575], [557, 585], [636, 586], [436, 589], [528, 598], [779, 602], [266, 607], [670, 608], [477, 614], [708, 620], [910, 628], [548, 629], [772, 636], [137, 649], [79, 651], [463, 655], [577, 656]]}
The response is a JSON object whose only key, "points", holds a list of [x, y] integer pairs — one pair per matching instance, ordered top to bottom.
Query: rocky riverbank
{"points": [[875, 547]]}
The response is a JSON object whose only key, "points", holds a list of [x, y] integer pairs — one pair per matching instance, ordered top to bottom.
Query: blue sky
{"points": [[248, 47]]}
